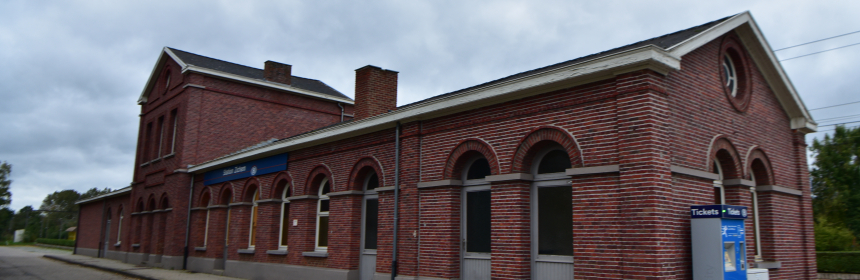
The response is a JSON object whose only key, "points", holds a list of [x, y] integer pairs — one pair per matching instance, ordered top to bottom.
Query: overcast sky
{"points": [[71, 71]]}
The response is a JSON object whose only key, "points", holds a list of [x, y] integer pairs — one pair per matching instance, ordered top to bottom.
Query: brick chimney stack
{"points": [[278, 72], [375, 91]]}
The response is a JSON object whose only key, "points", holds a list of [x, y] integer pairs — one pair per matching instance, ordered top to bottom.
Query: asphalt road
{"points": [[28, 263]]}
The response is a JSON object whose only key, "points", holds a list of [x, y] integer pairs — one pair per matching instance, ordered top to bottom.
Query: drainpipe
{"points": [[341, 111], [396, 199], [188, 224]]}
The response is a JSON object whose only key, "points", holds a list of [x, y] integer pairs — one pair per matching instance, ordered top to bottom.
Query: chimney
{"points": [[277, 72], [375, 91]]}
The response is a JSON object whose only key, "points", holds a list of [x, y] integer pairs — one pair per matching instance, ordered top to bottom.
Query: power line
{"points": [[816, 41], [821, 51], [837, 105], [837, 118], [835, 124]]}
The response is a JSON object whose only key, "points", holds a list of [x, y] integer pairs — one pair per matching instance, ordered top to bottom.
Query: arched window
{"points": [[477, 168], [760, 177], [719, 191], [205, 201], [371, 210], [552, 211], [285, 214], [322, 216], [475, 217], [119, 228], [252, 238]]}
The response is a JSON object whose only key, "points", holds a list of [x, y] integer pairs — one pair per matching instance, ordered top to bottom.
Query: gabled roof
{"points": [[662, 54], [228, 70]]}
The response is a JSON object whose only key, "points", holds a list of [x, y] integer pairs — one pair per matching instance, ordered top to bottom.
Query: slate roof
{"points": [[664, 42], [253, 73]]}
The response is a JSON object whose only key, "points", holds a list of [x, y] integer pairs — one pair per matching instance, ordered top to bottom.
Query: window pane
{"points": [[554, 162], [479, 169], [372, 182], [324, 205], [478, 221], [555, 221], [371, 223], [285, 224], [322, 238]]}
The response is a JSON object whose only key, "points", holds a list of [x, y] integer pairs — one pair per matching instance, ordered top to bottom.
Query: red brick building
{"points": [[582, 169]]}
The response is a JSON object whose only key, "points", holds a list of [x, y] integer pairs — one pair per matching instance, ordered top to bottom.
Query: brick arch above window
{"points": [[540, 138], [464, 151], [724, 151], [759, 165], [360, 171], [315, 177], [251, 185], [278, 189], [226, 194], [205, 198], [164, 201], [152, 205]]}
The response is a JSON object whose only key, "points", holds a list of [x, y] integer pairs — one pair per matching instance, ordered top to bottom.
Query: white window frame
{"points": [[729, 65], [160, 136], [173, 141], [544, 180], [718, 183], [369, 194], [284, 204], [321, 214], [756, 221], [119, 229], [252, 231]]}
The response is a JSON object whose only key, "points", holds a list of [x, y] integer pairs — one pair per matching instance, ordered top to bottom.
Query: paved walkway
{"points": [[132, 271]]}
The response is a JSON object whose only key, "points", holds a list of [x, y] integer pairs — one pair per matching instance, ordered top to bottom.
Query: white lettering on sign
{"points": [[237, 169], [733, 211], [702, 212]]}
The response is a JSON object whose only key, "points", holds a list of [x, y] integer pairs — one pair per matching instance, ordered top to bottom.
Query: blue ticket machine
{"points": [[719, 249]]}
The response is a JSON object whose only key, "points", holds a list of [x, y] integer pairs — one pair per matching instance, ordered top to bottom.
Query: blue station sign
{"points": [[244, 170], [718, 211]]}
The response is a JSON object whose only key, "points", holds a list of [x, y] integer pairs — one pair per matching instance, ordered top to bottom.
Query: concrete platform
{"points": [[131, 270]]}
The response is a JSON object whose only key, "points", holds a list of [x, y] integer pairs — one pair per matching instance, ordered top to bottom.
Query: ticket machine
{"points": [[719, 245]]}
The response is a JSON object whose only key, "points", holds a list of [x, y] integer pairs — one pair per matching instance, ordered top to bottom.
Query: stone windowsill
{"points": [[117, 244], [135, 245], [200, 249], [245, 251], [276, 252], [315, 254]]}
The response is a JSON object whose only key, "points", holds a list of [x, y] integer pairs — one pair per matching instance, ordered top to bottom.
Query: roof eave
{"points": [[646, 57], [155, 70], [107, 195]]}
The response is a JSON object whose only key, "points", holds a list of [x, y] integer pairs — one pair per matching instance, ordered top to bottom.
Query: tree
{"points": [[836, 179], [93, 193], [5, 195], [61, 212]]}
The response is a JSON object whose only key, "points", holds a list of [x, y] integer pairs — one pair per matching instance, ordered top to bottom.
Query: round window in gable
{"points": [[734, 74]]}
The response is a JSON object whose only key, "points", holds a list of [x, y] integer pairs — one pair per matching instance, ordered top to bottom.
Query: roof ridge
{"points": [[578, 59]]}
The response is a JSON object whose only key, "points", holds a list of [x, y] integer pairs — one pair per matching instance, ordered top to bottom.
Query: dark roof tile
{"points": [[251, 72]]}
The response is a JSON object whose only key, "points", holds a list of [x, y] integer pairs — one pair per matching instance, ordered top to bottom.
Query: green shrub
{"points": [[832, 238], [61, 242], [838, 262]]}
